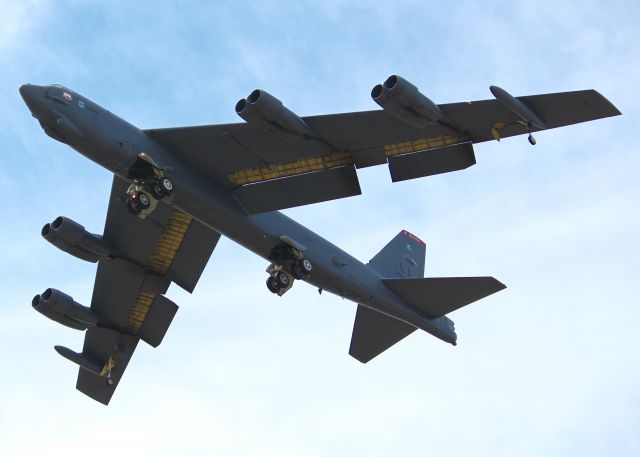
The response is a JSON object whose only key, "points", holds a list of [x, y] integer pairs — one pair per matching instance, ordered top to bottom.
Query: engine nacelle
{"points": [[403, 100], [263, 109], [71, 237], [61, 308]]}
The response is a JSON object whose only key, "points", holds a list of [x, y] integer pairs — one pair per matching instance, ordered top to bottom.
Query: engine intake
{"points": [[404, 101], [263, 109], [71, 237], [61, 308]]}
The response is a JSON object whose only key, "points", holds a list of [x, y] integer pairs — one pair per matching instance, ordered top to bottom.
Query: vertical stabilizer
{"points": [[402, 257]]}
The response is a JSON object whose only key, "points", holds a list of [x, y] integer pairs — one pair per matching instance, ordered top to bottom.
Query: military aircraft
{"points": [[177, 190]]}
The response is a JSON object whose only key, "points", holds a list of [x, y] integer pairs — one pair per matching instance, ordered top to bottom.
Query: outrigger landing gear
{"points": [[289, 264], [106, 371]]}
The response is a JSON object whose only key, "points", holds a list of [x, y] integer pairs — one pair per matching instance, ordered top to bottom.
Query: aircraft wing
{"points": [[267, 172], [128, 293]]}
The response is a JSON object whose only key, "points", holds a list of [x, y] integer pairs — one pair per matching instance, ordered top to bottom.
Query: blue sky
{"points": [[550, 366]]}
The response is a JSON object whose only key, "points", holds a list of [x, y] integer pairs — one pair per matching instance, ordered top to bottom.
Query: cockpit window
{"points": [[59, 94]]}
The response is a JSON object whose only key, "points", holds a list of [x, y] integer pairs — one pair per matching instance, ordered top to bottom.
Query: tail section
{"points": [[401, 262], [373, 331]]}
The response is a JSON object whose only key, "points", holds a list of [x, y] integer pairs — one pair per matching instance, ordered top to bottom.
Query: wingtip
{"points": [[613, 109], [499, 285]]}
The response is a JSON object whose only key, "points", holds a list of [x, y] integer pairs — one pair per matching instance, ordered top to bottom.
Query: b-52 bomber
{"points": [[177, 190]]}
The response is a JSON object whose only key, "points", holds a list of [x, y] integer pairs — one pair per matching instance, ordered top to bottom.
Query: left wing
{"points": [[267, 170], [128, 297]]}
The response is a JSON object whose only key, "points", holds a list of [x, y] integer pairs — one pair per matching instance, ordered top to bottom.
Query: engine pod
{"points": [[404, 101], [263, 109], [71, 237], [61, 308]]}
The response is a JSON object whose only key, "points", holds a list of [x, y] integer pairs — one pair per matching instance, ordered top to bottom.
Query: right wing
{"points": [[266, 172], [148, 254]]}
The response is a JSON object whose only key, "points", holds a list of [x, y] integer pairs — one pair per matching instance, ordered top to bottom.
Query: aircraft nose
{"points": [[25, 90], [30, 93]]}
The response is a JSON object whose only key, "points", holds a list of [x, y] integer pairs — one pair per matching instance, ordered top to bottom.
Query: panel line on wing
{"points": [[423, 144], [337, 159], [295, 167], [159, 262]]}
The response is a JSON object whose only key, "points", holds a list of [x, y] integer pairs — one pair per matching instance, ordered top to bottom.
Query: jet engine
{"points": [[403, 100], [263, 109], [71, 237], [61, 308]]}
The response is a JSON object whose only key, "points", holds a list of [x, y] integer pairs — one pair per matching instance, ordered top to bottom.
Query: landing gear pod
{"points": [[404, 101]]}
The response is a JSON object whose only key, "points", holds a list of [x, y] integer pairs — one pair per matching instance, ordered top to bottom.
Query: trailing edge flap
{"points": [[431, 162], [298, 190], [436, 297], [158, 320], [374, 333]]}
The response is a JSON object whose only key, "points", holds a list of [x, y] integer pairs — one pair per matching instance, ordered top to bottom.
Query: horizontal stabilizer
{"points": [[431, 162], [303, 189], [436, 297], [374, 333]]}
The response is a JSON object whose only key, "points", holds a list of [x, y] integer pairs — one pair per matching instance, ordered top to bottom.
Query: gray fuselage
{"points": [[115, 144]]}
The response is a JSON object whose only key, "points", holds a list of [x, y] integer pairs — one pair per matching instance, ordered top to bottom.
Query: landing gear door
{"points": [[127, 158]]}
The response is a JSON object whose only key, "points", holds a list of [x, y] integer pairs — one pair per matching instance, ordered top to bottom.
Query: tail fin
{"points": [[402, 257], [374, 332]]}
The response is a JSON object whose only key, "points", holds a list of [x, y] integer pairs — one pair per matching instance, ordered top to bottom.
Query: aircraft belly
{"points": [[334, 270]]}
